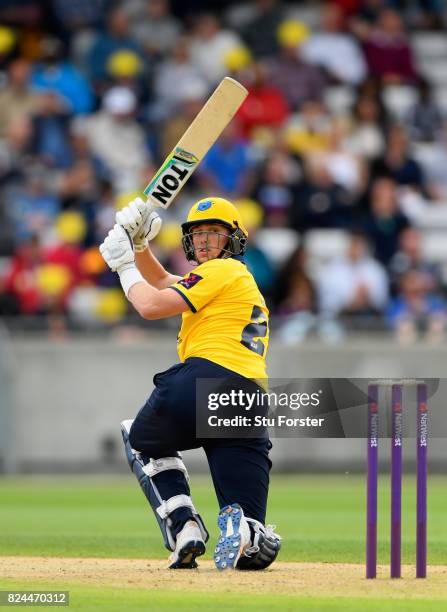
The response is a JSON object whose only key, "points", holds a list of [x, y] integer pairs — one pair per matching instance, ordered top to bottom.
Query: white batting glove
{"points": [[141, 223], [117, 250], [118, 254]]}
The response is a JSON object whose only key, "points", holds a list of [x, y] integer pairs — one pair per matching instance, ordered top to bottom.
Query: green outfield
{"points": [[321, 520]]}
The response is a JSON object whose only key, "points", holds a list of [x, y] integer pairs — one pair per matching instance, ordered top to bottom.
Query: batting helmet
{"points": [[223, 212]]}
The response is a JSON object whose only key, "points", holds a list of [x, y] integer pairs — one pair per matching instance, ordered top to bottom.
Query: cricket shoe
{"points": [[234, 537], [189, 545], [265, 546]]}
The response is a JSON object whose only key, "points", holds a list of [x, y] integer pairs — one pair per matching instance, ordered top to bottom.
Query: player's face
{"points": [[209, 239]]}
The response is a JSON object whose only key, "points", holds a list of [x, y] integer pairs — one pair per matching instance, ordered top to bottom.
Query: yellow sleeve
{"points": [[198, 288]]}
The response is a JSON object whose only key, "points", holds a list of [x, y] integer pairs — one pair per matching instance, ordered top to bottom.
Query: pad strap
{"points": [[156, 466], [178, 501]]}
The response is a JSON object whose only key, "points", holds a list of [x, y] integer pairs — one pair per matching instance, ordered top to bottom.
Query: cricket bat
{"points": [[192, 147]]}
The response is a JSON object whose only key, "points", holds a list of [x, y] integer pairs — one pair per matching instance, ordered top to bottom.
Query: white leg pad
{"points": [[127, 424], [145, 473]]}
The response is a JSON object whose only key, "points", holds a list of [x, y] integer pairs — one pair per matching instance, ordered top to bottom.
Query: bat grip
{"points": [[152, 206], [128, 235]]}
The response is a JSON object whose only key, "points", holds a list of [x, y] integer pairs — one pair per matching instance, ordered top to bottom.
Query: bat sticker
{"points": [[171, 177]]}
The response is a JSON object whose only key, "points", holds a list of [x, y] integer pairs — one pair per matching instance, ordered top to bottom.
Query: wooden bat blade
{"points": [[214, 117], [203, 132]]}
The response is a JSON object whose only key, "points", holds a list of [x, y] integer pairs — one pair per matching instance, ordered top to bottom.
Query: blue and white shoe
{"points": [[234, 537], [188, 546]]}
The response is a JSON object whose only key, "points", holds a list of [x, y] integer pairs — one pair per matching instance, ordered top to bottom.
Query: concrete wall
{"points": [[61, 402]]}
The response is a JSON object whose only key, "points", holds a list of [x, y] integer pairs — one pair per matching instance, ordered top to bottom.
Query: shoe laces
{"points": [[270, 532], [251, 550]]}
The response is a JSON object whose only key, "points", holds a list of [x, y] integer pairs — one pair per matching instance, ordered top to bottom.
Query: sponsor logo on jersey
{"points": [[190, 281]]}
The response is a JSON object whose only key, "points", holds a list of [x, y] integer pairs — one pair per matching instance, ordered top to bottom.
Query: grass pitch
{"points": [[114, 557]]}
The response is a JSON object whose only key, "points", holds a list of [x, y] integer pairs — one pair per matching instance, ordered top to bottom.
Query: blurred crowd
{"points": [[335, 158]]}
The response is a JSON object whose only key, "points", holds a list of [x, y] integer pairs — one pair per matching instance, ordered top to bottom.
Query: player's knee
{"points": [[135, 438], [138, 440], [151, 448]]}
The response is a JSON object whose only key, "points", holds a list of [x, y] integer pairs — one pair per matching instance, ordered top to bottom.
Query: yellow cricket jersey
{"points": [[228, 320]]}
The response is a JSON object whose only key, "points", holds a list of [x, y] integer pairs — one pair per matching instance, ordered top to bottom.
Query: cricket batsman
{"points": [[224, 333]]}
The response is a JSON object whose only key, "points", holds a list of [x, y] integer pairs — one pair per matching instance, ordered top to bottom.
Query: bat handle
{"points": [[153, 206], [128, 235]]}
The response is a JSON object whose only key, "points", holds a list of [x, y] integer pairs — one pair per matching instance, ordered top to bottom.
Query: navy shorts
{"points": [[166, 424]]}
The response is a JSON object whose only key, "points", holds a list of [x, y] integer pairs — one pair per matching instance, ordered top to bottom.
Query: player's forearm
{"points": [[153, 271], [150, 302]]}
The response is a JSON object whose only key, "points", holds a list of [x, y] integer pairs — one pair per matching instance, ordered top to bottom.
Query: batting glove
{"points": [[141, 223], [117, 250], [118, 254]]}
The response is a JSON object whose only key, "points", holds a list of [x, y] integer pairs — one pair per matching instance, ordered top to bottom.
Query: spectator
{"points": [[348, 7], [370, 10], [422, 14], [77, 17], [363, 21], [153, 27], [260, 33], [115, 38], [8, 45], [210, 45], [334, 50], [388, 51], [126, 69], [179, 69], [59, 76], [296, 79], [17, 98], [264, 107], [425, 121], [50, 131], [308, 131], [366, 138], [119, 141], [15, 151], [81, 152], [397, 162], [435, 164], [226, 166], [345, 168], [275, 188], [79, 191], [318, 202], [32, 207], [105, 211], [385, 222], [65, 251], [410, 257], [260, 265], [40, 279], [355, 284], [20, 287], [294, 289], [296, 299], [417, 309]]}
